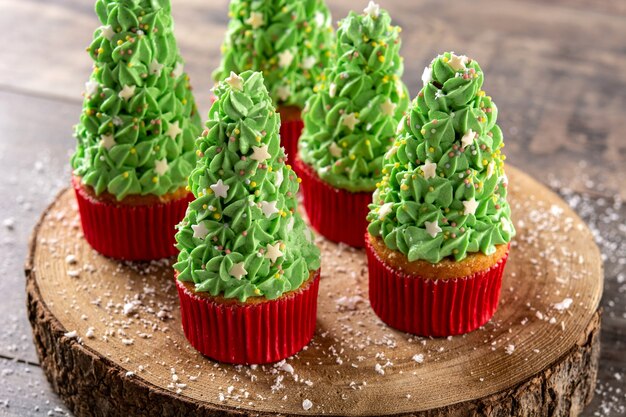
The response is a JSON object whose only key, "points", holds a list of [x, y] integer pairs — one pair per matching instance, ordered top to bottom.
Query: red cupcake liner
{"points": [[289, 136], [336, 214], [134, 233], [428, 307], [254, 333]]}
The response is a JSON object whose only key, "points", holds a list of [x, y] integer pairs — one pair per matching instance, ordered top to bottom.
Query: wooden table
{"points": [[555, 70]]}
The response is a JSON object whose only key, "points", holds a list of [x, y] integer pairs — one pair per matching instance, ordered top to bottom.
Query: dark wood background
{"points": [[557, 71]]}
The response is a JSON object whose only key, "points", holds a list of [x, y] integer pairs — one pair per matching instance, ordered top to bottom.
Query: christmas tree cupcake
{"points": [[290, 42], [350, 122], [136, 134], [440, 223], [248, 270]]}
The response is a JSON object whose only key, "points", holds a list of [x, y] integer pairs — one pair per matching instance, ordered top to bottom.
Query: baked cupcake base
{"points": [[291, 126], [338, 215], [139, 228], [444, 299], [257, 331]]}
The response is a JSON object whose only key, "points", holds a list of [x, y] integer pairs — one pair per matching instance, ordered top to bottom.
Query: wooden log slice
{"points": [[110, 341]]}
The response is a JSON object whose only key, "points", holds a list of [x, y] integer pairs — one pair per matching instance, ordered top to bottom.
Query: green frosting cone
{"points": [[289, 41], [351, 120], [139, 122], [444, 189], [243, 236]]}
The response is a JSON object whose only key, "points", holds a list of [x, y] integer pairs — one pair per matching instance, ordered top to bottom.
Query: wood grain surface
{"points": [[555, 69], [127, 316]]}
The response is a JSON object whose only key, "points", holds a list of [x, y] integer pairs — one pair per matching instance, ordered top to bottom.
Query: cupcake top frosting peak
{"points": [[289, 41], [139, 121], [350, 121], [444, 188], [242, 236]]}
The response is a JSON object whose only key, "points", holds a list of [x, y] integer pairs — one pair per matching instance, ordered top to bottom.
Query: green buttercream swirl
{"points": [[289, 41], [139, 121], [350, 121], [464, 195], [245, 211]]}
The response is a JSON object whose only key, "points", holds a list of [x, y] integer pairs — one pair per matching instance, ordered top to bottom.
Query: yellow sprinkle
{"points": [[119, 42], [381, 58], [445, 59], [481, 93], [184, 101], [237, 131], [423, 131], [431, 149], [133, 150], [198, 152], [352, 157], [485, 162], [396, 165], [288, 166], [269, 169], [125, 175], [155, 179], [299, 180], [253, 184], [404, 187], [188, 188], [431, 189], [257, 192], [204, 206], [447, 210], [216, 216]]}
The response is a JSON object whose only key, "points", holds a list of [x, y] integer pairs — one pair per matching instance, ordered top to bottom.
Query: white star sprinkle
{"points": [[372, 9], [319, 19], [255, 20], [107, 32], [285, 58], [309, 62], [457, 62], [155, 68], [178, 70], [427, 76], [235, 81], [91, 88], [332, 90], [128, 91], [283, 92], [388, 108], [350, 120], [173, 130], [467, 139], [107, 141], [335, 150], [392, 151], [260, 153], [161, 166], [429, 169], [491, 169], [279, 177], [220, 189], [470, 206], [269, 208], [384, 210], [291, 223], [506, 226], [432, 228], [199, 230], [273, 252], [238, 270]]}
